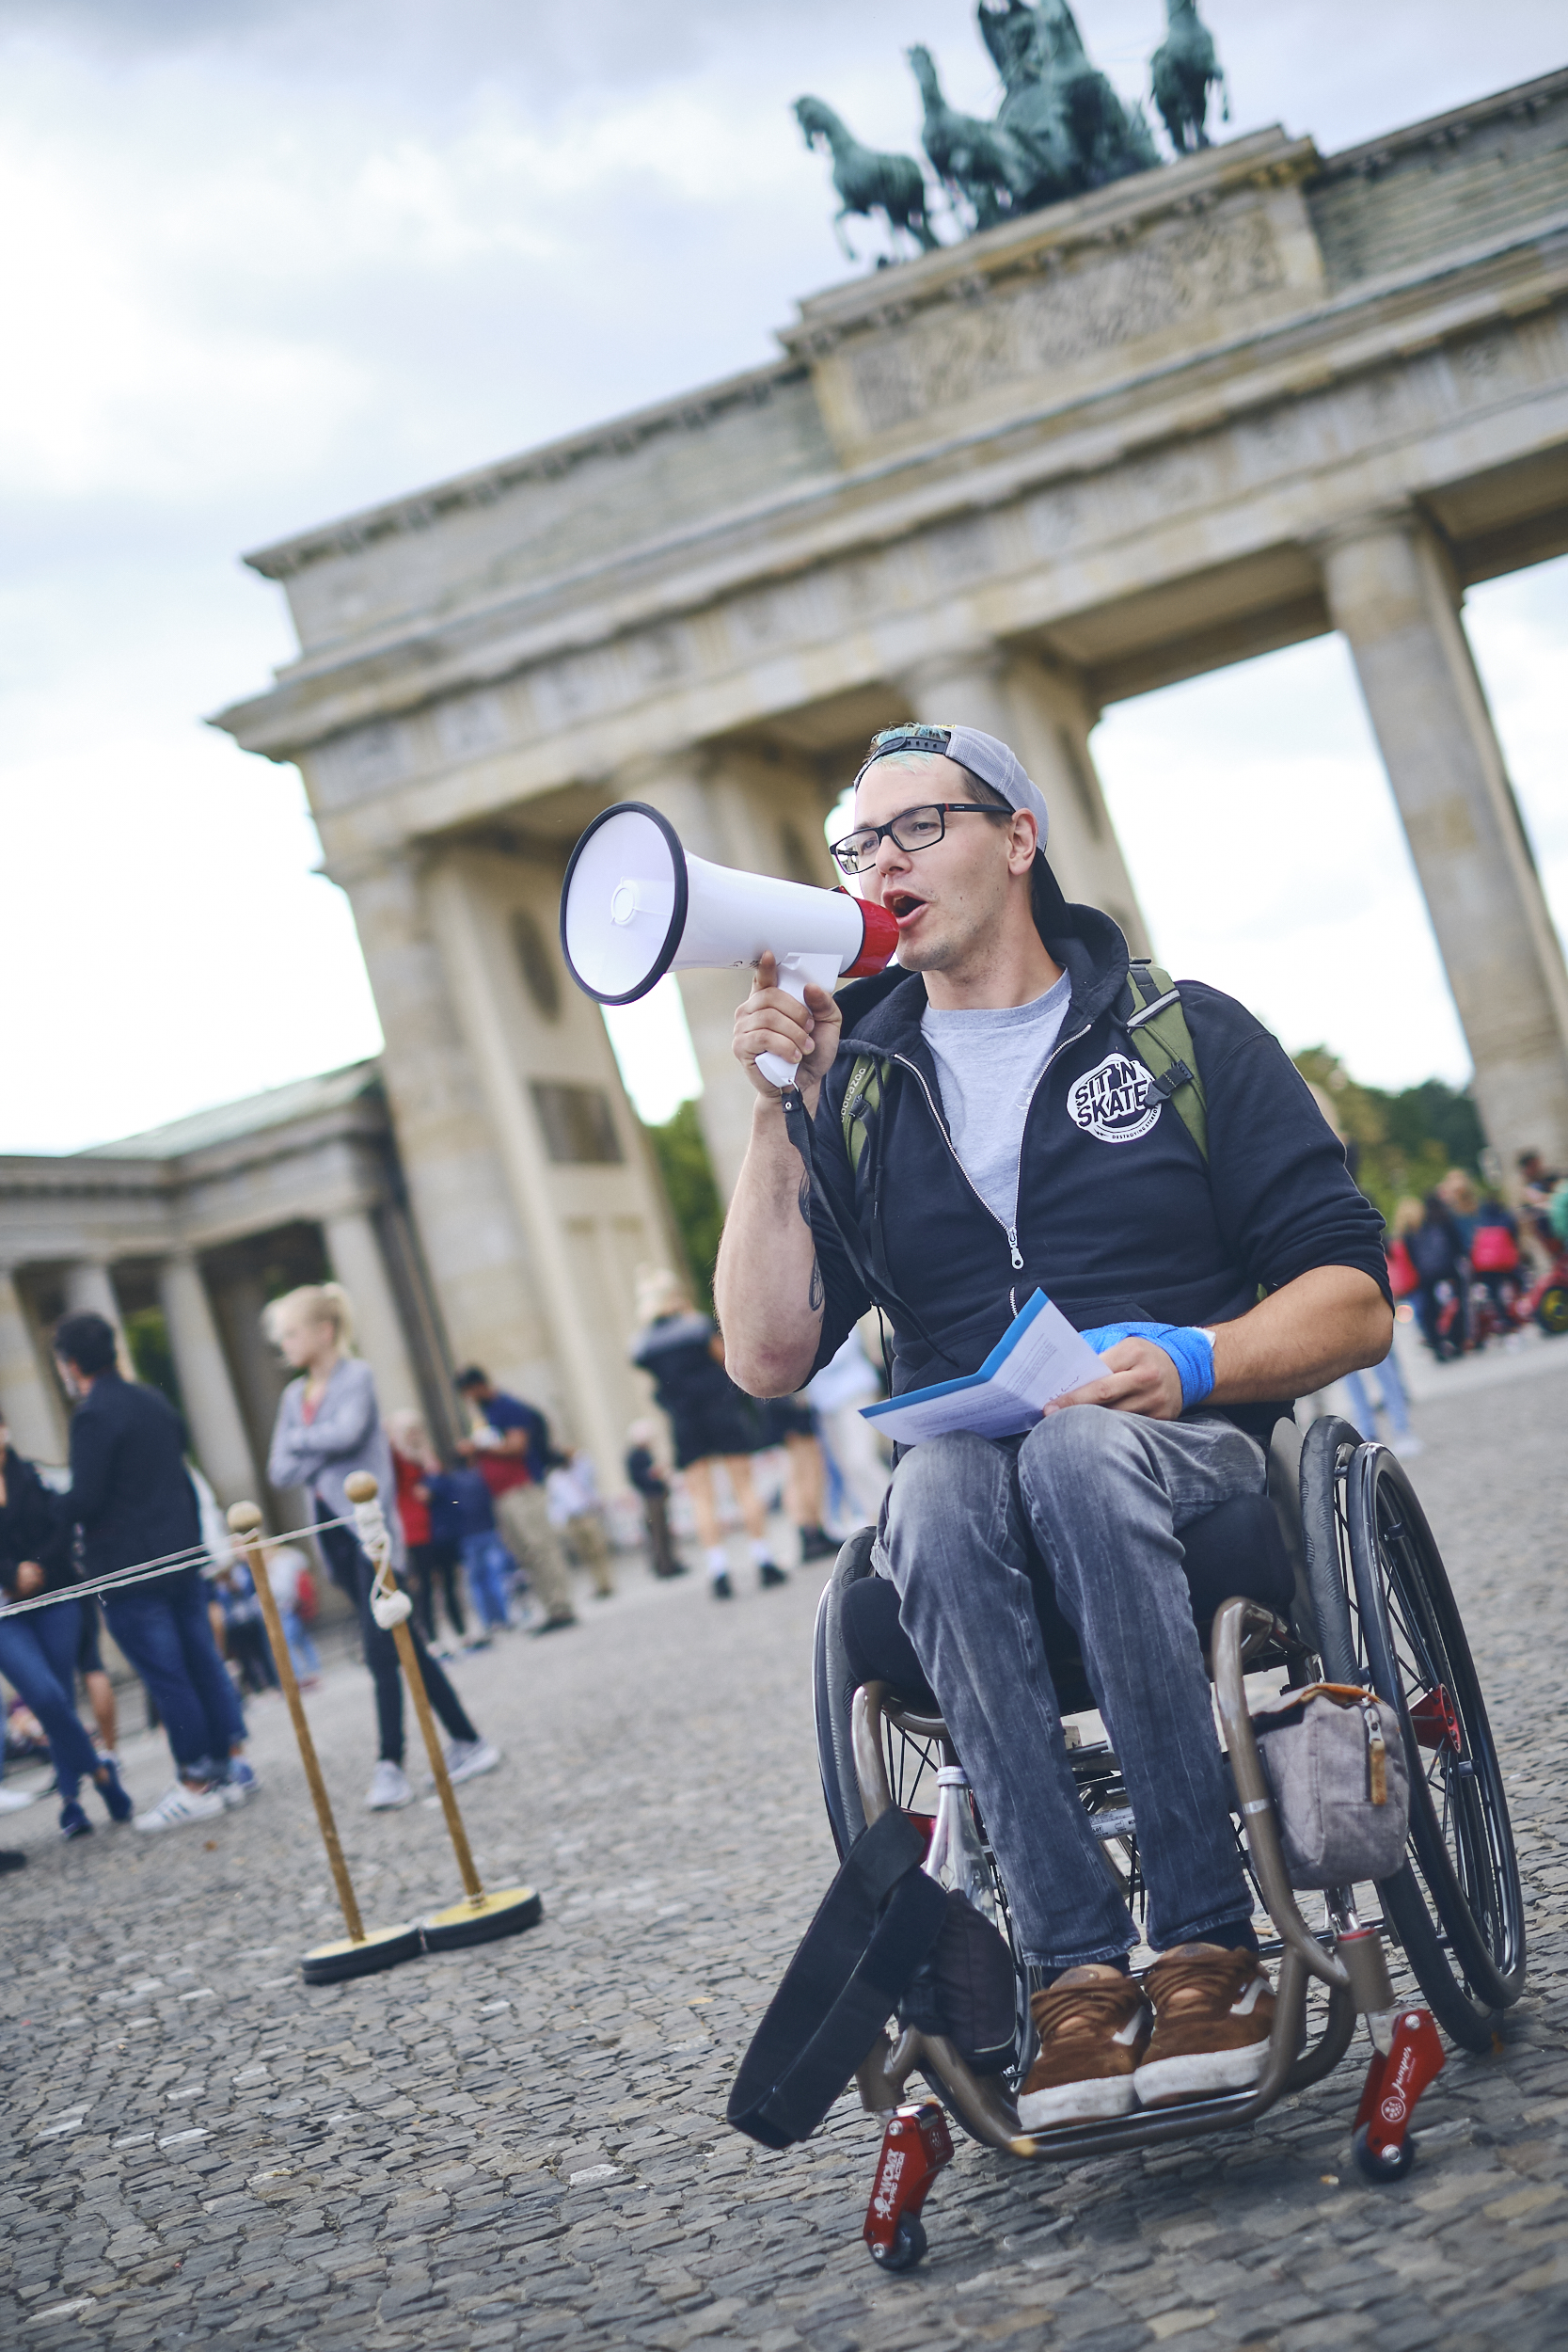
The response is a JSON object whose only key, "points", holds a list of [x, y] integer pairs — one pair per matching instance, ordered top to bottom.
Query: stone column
{"points": [[1390, 593], [1043, 714], [521, 1151], [473, 1243], [354, 1250], [89, 1290], [28, 1401], [212, 1408]]}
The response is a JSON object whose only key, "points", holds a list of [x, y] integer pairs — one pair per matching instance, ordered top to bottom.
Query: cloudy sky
{"points": [[265, 260]]}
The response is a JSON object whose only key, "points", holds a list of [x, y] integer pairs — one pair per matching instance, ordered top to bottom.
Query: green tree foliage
{"points": [[1405, 1141], [692, 1193], [151, 1357]]}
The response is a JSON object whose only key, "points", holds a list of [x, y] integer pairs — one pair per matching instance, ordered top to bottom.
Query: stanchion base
{"points": [[506, 1913], [383, 1948]]}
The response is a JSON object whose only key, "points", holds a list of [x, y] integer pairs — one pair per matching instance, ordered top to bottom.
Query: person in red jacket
{"points": [[414, 1460]]}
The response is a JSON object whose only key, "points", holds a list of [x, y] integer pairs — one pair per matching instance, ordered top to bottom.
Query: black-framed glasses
{"points": [[919, 828]]}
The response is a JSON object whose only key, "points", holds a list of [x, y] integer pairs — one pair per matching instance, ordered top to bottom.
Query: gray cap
{"points": [[984, 755]]}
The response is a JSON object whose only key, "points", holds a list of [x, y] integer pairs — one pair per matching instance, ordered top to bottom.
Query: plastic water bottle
{"points": [[955, 1858]]}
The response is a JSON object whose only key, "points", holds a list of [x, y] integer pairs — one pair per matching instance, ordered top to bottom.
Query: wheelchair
{"points": [[1331, 1575]]}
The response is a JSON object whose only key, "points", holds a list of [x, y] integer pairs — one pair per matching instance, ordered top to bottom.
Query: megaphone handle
{"points": [[794, 972]]}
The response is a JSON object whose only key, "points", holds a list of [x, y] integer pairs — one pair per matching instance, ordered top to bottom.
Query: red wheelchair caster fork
{"points": [[1381, 2145], [915, 2146]]}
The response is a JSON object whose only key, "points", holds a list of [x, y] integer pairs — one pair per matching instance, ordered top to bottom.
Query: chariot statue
{"points": [[1061, 128]]}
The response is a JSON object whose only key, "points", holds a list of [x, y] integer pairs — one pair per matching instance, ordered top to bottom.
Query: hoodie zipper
{"points": [[1009, 1230]]}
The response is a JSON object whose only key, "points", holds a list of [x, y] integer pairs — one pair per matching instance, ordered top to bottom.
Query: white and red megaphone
{"points": [[635, 906]]}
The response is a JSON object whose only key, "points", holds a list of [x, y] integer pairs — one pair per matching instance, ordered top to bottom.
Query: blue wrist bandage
{"points": [[1191, 1351]]}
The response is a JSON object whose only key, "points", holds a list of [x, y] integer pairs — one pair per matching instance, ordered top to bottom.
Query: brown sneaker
{"points": [[1213, 2012], [1093, 2024]]}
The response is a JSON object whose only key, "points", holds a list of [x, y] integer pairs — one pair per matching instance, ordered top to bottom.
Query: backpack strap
{"points": [[1158, 1033], [863, 1098], [869, 1264]]}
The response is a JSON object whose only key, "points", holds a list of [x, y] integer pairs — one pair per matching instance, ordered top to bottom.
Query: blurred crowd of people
{"points": [[1473, 1269], [487, 1532]]}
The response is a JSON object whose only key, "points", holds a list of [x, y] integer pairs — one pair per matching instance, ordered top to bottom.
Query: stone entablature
{"points": [[1242, 438], [307, 1173], [117, 1201]]}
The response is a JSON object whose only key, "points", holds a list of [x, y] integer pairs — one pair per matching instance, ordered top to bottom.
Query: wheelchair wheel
{"points": [[1386, 1617], [834, 1680]]}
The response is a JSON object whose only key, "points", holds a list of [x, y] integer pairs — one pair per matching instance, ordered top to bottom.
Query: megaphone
{"points": [[635, 906]]}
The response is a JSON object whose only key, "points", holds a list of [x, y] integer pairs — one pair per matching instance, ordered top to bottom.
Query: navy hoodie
{"points": [[1117, 1218]]}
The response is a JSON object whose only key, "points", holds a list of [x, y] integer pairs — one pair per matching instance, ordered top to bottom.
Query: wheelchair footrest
{"points": [[1394, 2083], [915, 2146]]}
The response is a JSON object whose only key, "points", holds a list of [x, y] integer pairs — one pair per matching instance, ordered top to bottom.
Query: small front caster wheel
{"points": [[1380, 2163], [908, 2245]]}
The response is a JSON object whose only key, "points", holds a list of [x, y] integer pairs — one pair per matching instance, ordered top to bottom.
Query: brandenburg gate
{"points": [[1201, 413]]}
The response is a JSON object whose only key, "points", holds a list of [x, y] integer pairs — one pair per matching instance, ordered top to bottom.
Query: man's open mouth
{"points": [[901, 904]]}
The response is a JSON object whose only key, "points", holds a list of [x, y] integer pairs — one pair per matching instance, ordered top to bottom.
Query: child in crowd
{"points": [[415, 1459], [644, 1475], [571, 1497], [572, 1502], [463, 1514], [294, 1588], [245, 1633]]}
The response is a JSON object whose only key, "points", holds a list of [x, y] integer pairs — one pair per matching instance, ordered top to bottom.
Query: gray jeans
{"points": [[1095, 1501]]}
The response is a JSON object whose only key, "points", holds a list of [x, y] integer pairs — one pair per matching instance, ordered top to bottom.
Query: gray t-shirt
{"points": [[989, 1063]]}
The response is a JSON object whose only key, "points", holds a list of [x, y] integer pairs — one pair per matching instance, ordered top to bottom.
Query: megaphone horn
{"points": [[635, 905]]}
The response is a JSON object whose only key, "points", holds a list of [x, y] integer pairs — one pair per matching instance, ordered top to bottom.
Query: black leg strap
{"points": [[876, 1923]]}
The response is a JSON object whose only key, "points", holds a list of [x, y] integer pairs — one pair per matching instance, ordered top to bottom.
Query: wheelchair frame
{"points": [[1338, 1543]]}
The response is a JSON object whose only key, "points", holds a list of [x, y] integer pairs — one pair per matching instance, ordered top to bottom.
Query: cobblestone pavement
{"points": [[525, 2144]]}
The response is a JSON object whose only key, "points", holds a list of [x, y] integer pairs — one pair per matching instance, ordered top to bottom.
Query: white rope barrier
{"points": [[148, 1571]]}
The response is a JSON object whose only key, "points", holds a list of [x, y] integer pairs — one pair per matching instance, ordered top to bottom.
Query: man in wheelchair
{"points": [[1003, 1131]]}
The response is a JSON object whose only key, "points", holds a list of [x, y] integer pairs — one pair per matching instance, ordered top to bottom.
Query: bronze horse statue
{"points": [[1184, 68], [1058, 103], [979, 164], [867, 182]]}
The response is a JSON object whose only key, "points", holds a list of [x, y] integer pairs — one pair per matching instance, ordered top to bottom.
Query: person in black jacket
{"points": [[1018, 1142], [1437, 1249], [132, 1498], [38, 1646]]}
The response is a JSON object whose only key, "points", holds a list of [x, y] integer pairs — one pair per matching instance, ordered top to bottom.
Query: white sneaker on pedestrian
{"points": [[1407, 1445], [468, 1758], [388, 1789], [15, 1800], [180, 1805]]}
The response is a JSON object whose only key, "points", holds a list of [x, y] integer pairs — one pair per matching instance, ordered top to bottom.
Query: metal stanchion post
{"points": [[482, 1918], [363, 1951]]}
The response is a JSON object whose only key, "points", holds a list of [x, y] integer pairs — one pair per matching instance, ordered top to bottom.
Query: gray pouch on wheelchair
{"points": [[1335, 1763]]}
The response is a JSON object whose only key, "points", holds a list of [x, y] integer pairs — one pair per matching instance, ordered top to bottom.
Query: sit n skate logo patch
{"points": [[1111, 1101]]}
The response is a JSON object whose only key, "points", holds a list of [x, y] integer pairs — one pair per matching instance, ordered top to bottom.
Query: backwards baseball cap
{"points": [[984, 756]]}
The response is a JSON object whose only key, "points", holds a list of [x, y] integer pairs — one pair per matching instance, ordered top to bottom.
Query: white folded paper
{"points": [[1037, 1359]]}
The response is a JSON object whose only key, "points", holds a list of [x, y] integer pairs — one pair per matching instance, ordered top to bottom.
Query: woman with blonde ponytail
{"points": [[328, 1426]]}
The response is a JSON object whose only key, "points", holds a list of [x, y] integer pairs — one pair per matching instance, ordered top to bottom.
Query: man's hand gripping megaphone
{"points": [[774, 1021]]}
